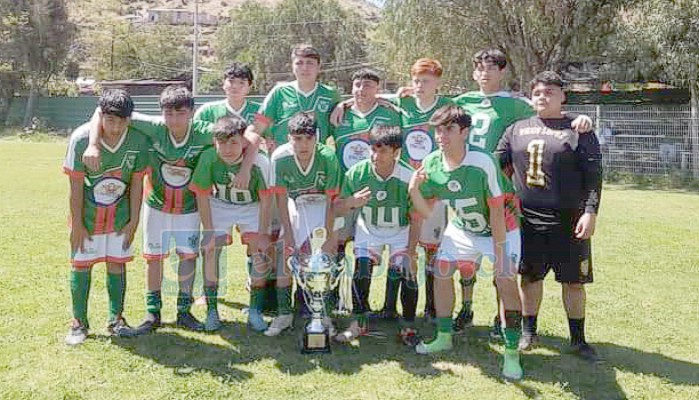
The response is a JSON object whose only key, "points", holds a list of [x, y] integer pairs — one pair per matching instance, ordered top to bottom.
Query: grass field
{"points": [[643, 317]]}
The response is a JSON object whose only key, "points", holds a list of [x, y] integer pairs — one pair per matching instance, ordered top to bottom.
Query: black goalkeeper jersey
{"points": [[554, 167]]}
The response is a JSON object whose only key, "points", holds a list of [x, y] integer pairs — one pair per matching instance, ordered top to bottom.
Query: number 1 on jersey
{"points": [[535, 173]]}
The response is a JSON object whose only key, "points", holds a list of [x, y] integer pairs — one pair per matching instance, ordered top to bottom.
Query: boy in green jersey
{"points": [[237, 81], [286, 99], [305, 177], [471, 183], [378, 189], [222, 206], [104, 210], [170, 211]]}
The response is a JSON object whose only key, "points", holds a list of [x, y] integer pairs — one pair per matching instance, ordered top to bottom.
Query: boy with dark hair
{"points": [[237, 82], [557, 174], [305, 177], [378, 189], [222, 206], [104, 210]]}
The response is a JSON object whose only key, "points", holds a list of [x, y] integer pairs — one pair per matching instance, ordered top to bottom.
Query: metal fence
{"points": [[649, 140]]}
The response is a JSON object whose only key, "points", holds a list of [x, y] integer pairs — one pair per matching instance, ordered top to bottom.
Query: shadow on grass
{"points": [[549, 364]]}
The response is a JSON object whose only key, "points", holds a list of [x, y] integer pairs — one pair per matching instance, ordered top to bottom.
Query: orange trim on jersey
{"points": [[263, 119], [73, 174], [138, 175], [148, 184], [278, 189], [199, 191], [265, 192], [332, 193], [167, 200], [179, 201], [497, 201], [512, 212], [111, 216], [99, 220], [429, 246], [467, 269]]}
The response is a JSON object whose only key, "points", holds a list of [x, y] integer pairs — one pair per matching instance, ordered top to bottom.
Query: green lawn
{"points": [[643, 317]]}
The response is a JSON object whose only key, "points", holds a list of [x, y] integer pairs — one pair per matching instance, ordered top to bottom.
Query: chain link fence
{"points": [[649, 140]]}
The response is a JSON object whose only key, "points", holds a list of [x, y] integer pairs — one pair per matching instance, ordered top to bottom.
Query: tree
{"points": [[535, 34], [264, 36], [36, 37], [660, 40]]}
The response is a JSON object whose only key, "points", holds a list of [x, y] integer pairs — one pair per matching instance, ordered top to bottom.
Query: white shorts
{"points": [[245, 217], [305, 217], [433, 227], [159, 228], [370, 241], [459, 246], [106, 247]]}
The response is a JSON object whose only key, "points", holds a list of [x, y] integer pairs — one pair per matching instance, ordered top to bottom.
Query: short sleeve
{"points": [[268, 111], [151, 127], [72, 164], [202, 179], [347, 187]]}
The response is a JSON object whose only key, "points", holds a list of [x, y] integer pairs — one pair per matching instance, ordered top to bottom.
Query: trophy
{"points": [[316, 275]]}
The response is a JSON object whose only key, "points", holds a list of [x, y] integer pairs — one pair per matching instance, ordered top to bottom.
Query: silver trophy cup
{"points": [[316, 275]]}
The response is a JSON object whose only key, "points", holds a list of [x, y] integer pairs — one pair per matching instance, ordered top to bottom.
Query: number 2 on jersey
{"points": [[480, 126], [535, 173]]}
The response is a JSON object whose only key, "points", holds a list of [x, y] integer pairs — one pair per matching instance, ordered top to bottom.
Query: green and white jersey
{"points": [[286, 100], [215, 110], [491, 115], [418, 135], [352, 136], [172, 164], [213, 176], [320, 180], [467, 190], [389, 205], [106, 206]]}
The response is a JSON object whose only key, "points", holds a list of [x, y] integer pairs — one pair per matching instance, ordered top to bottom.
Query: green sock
{"points": [[116, 287], [80, 292], [211, 293], [257, 298], [284, 300], [153, 301], [184, 302], [444, 325], [513, 329]]}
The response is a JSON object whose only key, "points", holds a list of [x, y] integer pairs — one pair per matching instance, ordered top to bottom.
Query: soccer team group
{"points": [[482, 176]]}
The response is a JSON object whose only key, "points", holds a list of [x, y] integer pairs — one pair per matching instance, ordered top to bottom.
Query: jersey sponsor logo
{"points": [[486, 102], [288, 105], [323, 106], [419, 144], [355, 151], [129, 161], [175, 176], [320, 179], [454, 186], [108, 191], [381, 195]]}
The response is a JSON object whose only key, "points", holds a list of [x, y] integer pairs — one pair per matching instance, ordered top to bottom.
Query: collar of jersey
{"points": [[302, 93], [501, 93], [426, 109], [235, 112], [364, 115], [184, 141], [117, 146], [463, 162], [310, 164], [394, 173]]}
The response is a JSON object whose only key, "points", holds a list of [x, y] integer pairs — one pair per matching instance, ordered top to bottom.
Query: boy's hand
{"points": [[405, 91], [339, 111], [582, 124], [91, 157], [242, 179], [417, 179], [360, 198], [586, 226], [128, 231], [78, 235], [329, 247]]}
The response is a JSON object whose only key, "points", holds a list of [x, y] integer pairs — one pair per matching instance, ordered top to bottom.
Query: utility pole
{"points": [[195, 49]]}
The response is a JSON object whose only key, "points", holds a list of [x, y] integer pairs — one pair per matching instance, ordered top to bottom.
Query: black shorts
{"points": [[548, 242]]}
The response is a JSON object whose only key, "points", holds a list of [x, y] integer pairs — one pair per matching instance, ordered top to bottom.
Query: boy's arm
{"points": [[252, 147], [503, 153], [91, 156], [590, 158], [282, 198], [135, 201], [421, 206], [264, 221], [498, 229], [78, 232], [413, 237], [330, 245]]}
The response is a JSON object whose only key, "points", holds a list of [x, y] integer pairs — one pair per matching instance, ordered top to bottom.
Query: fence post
{"points": [[694, 127]]}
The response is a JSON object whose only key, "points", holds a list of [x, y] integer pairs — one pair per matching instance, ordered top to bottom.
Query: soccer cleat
{"points": [[188, 321], [462, 321], [213, 322], [256, 322], [150, 324], [280, 324], [120, 328], [496, 330], [76, 335], [408, 336], [528, 341], [441, 343], [585, 351], [511, 367]]}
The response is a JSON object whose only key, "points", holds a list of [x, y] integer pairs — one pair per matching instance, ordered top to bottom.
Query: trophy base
{"points": [[315, 342]]}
